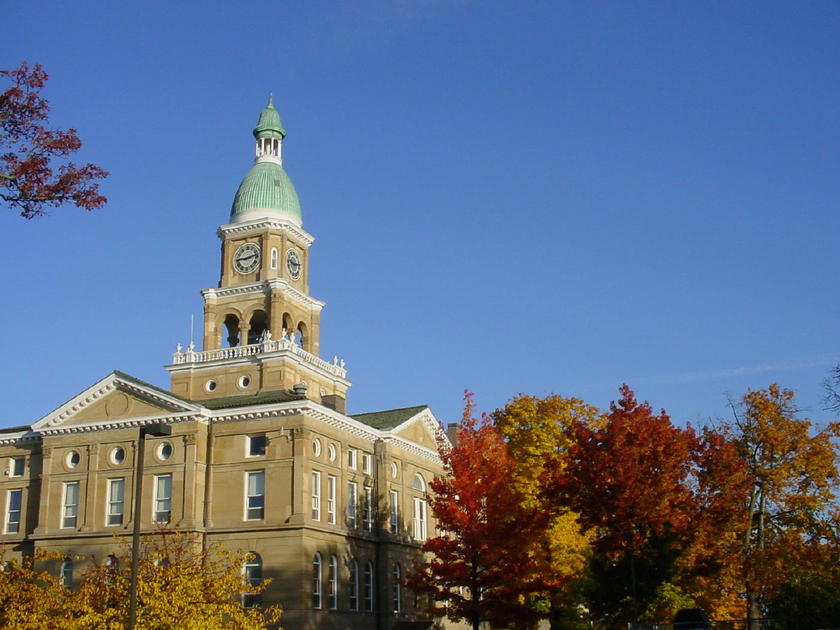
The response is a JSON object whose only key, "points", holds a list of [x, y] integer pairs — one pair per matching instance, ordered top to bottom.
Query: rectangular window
{"points": [[257, 445], [351, 458], [367, 464], [16, 465], [352, 493], [255, 495], [316, 495], [14, 499], [163, 499], [331, 499], [116, 501], [70, 504], [367, 509], [394, 511], [419, 518], [369, 587]]}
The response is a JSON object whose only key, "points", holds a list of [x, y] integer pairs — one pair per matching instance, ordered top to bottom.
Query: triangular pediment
{"points": [[115, 398], [422, 429]]}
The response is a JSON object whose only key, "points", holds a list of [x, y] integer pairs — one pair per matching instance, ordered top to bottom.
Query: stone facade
{"points": [[262, 455]]}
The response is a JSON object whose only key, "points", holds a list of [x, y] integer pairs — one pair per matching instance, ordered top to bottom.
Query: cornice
{"points": [[257, 225], [265, 287], [124, 423]]}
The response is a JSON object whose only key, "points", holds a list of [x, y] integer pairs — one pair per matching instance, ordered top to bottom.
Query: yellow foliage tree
{"points": [[535, 431], [794, 476], [181, 584]]}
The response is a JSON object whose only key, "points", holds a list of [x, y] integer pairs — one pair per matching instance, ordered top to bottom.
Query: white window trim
{"points": [[352, 458], [12, 462], [367, 463], [331, 488], [316, 495], [156, 498], [110, 500], [247, 502], [352, 504], [65, 505], [367, 509], [394, 511], [8, 512], [420, 516], [353, 570], [317, 582], [332, 583], [369, 587]]}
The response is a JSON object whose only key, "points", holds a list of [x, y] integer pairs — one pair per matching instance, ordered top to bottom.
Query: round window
{"points": [[244, 381], [210, 385], [316, 447], [164, 451], [331, 452], [118, 455], [73, 459], [394, 470]]}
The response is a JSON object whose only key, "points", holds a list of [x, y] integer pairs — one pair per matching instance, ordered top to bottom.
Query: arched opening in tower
{"points": [[232, 326], [257, 326]]}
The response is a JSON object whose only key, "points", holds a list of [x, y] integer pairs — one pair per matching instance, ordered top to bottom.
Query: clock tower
{"points": [[261, 325]]}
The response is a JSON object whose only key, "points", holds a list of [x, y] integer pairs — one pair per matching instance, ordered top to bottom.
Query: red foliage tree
{"points": [[30, 179], [631, 482], [479, 567]]}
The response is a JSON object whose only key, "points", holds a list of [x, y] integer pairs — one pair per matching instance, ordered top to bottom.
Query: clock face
{"points": [[247, 258], [293, 264]]}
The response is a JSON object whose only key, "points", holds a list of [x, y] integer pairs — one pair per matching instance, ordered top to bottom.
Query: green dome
{"points": [[269, 125], [266, 191]]}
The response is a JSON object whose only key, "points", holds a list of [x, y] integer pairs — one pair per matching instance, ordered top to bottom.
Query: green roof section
{"points": [[269, 125], [267, 187], [264, 398], [389, 418]]}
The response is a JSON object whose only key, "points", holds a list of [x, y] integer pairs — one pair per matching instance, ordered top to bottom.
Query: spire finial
{"points": [[271, 99]]}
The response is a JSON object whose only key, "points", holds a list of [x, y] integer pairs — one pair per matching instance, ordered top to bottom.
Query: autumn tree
{"points": [[34, 171], [536, 432], [794, 476], [630, 482], [478, 568], [32, 599]]}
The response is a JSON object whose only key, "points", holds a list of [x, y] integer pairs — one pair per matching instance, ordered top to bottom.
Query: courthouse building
{"points": [[262, 455]]}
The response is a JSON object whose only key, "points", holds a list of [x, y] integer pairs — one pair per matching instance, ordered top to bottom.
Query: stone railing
{"points": [[284, 343]]}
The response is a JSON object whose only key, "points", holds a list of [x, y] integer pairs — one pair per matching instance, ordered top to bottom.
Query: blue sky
{"points": [[506, 196]]}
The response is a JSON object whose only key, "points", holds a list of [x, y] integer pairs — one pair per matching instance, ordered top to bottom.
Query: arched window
{"points": [[274, 258], [232, 325], [256, 327], [418, 484], [353, 569], [67, 572], [252, 572], [316, 581], [332, 583], [368, 587], [396, 594]]}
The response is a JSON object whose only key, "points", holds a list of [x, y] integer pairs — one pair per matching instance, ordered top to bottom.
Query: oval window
{"points": [[164, 451], [118, 455]]}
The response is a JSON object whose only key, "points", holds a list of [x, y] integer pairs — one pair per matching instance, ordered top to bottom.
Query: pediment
{"points": [[115, 398], [420, 429]]}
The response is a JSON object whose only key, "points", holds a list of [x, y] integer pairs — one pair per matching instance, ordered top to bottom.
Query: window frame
{"points": [[249, 446], [352, 458], [367, 463], [13, 466], [332, 482], [316, 495], [157, 499], [110, 502], [254, 503], [352, 504], [65, 505], [367, 509], [394, 511], [420, 518], [7, 522], [249, 566], [353, 570], [66, 572], [332, 583], [317, 586], [368, 586], [396, 592]]}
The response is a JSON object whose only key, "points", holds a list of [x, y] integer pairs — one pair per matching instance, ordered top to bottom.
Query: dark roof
{"points": [[129, 377], [264, 398], [389, 418], [24, 427]]}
